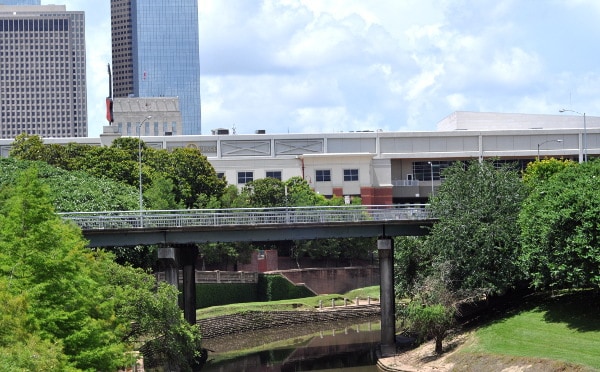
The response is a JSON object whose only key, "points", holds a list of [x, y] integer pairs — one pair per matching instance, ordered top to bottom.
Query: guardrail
{"points": [[246, 216]]}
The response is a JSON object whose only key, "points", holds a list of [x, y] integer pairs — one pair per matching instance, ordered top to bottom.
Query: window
{"points": [[429, 170], [274, 174], [350, 174], [220, 175], [323, 175], [245, 177]]}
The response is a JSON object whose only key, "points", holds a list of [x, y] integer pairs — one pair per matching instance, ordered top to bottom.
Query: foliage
{"points": [[539, 172], [192, 176], [73, 191], [265, 192], [300, 194], [160, 195], [560, 224], [477, 232], [44, 258], [411, 263], [276, 287], [222, 294], [69, 306], [431, 313], [158, 324], [21, 348]]}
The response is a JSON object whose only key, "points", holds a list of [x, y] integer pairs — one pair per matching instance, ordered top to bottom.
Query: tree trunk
{"points": [[438, 345]]}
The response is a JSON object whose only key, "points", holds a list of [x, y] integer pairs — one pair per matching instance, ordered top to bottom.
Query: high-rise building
{"points": [[20, 2], [155, 52], [42, 71]]}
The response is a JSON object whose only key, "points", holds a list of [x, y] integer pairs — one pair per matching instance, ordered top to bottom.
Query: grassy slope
{"points": [[308, 303], [565, 328]]}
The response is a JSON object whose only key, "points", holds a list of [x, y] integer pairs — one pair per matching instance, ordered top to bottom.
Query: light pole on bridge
{"points": [[140, 167]]}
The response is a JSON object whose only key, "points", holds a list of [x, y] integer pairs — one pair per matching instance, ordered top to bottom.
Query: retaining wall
{"points": [[334, 280], [256, 320]]}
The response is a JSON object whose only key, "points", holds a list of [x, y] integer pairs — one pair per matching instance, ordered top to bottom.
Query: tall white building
{"points": [[42, 71]]}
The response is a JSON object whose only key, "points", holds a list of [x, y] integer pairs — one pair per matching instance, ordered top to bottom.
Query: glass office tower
{"points": [[156, 53]]}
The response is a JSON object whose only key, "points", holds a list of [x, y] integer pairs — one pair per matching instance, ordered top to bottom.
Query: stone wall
{"points": [[256, 320]]}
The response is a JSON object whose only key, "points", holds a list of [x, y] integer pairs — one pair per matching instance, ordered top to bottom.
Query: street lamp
{"points": [[584, 132], [539, 144], [431, 165], [140, 166]]}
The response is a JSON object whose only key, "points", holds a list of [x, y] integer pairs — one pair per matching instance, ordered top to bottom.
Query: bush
{"points": [[276, 287], [223, 294]]}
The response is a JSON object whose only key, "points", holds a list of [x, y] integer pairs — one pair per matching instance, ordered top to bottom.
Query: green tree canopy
{"points": [[193, 177], [74, 191], [560, 225], [477, 232], [69, 303]]}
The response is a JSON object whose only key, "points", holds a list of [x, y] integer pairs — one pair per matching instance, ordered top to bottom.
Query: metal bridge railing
{"points": [[246, 216]]}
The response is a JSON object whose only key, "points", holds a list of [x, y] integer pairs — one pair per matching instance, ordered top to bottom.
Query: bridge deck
{"points": [[249, 224]]}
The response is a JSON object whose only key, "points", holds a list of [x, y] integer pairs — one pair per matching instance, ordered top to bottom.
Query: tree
{"points": [[540, 171], [194, 179], [73, 191], [265, 192], [300, 194], [160, 195], [559, 222], [477, 233], [44, 258], [412, 263], [71, 304], [432, 310], [154, 321], [21, 348]]}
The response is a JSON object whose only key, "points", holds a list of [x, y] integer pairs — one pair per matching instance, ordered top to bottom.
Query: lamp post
{"points": [[584, 131], [539, 144], [140, 166], [431, 166]]}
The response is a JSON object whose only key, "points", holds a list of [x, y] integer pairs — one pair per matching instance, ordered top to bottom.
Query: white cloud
{"points": [[344, 65]]}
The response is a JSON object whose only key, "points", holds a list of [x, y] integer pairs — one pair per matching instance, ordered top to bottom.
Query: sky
{"points": [[314, 66]]}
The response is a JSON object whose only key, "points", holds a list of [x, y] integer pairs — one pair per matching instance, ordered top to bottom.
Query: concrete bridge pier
{"points": [[385, 247], [188, 256], [167, 258], [172, 259]]}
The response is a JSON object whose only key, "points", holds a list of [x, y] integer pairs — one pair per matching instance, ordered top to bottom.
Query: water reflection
{"points": [[332, 347]]}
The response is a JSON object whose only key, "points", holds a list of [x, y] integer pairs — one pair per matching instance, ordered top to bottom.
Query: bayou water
{"points": [[343, 346]]}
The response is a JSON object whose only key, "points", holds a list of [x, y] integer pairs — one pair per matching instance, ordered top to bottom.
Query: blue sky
{"points": [[347, 65]]}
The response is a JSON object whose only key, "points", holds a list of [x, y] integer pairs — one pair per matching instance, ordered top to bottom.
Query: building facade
{"points": [[21, 2], [155, 48], [42, 72], [147, 116], [384, 167]]}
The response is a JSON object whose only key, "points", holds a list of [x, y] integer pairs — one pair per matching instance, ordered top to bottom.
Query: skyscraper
{"points": [[20, 2], [155, 51], [42, 71]]}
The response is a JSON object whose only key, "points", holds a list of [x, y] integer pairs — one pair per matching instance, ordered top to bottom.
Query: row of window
{"points": [[34, 25], [321, 175]]}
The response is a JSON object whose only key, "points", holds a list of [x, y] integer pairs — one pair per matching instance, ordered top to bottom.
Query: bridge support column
{"points": [[385, 247], [188, 256], [167, 258]]}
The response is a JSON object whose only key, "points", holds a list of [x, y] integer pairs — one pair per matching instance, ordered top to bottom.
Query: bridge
{"points": [[169, 227], [177, 231]]}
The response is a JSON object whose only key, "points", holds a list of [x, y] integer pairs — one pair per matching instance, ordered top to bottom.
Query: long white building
{"points": [[382, 167]]}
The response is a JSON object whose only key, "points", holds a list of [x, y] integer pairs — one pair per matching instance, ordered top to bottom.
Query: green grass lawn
{"points": [[307, 303], [565, 327]]}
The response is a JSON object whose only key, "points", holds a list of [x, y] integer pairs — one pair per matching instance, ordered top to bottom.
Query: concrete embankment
{"points": [[258, 320]]}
